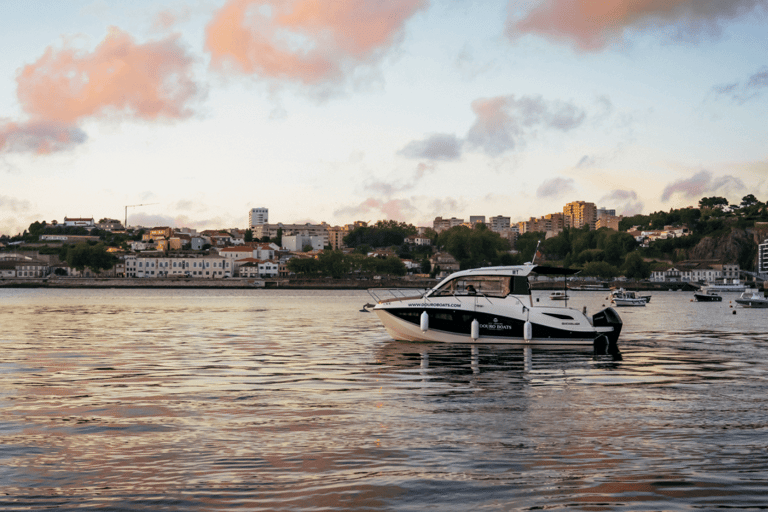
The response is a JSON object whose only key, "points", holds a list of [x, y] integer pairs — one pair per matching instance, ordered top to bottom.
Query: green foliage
{"points": [[713, 202], [382, 234], [248, 236], [580, 246], [475, 247], [84, 255], [336, 264], [304, 266], [635, 267], [600, 269]]}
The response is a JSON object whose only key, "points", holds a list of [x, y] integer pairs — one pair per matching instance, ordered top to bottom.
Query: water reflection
{"points": [[256, 400]]}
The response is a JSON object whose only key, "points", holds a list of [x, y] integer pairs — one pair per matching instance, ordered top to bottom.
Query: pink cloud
{"points": [[591, 25], [308, 41], [147, 81], [64, 86], [505, 122]]}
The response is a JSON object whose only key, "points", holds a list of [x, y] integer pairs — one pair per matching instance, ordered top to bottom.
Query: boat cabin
{"points": [[489, 286]]}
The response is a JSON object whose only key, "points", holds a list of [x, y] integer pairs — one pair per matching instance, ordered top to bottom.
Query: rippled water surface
{"points": [[295, 400]]}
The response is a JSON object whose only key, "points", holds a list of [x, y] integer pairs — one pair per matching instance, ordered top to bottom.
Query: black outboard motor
{"points": [[608, 342]]}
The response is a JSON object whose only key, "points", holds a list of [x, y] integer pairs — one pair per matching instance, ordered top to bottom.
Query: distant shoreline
{"points": [[292, 284]]}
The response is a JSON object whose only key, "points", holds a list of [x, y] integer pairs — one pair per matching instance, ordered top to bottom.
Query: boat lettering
{"points": [[434, 305], [570, 323], [497, 327]]}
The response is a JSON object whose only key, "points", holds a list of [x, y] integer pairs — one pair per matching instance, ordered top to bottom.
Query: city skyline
{"points": [[349, 110]]}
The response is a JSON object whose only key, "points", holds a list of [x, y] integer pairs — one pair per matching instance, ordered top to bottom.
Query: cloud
{"points": [[591, 25], [305, 41], [145, 81], [740, 92], [505, 122], [39, 137], [435, 147], [701, 184], [555, 187], [389, 189], [625, 202], [13, 204], [396, 209]]}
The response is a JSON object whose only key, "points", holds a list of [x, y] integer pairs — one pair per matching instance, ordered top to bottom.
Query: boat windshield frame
{"points": [[483, 285]]}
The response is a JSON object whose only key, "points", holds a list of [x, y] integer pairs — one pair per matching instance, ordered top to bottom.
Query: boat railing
{"points": [[390, 294]]}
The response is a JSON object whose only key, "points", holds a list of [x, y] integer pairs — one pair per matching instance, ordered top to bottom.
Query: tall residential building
{"points": [[579, 214], [258, 216], [476, 219], [499, 223], [440, 224], [762, 257]]}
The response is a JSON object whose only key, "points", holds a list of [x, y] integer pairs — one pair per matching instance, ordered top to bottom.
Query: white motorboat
{"points": [[558, 296], [622, 297], [752, 299], [493, 305]]}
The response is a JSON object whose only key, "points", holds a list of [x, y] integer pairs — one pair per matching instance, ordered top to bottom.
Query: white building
{"points": [[258, 216], [79, 222], [297, 243], [262, 251], [206, 267], [252, 267]]}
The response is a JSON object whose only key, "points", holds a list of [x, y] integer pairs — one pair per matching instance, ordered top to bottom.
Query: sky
{"points": [[343, 110]]}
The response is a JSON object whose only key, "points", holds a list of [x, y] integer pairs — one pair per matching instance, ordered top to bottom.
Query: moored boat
{"points": [[558, 296], [707, 296], [622, 297], [752, 299], [494, 305]]}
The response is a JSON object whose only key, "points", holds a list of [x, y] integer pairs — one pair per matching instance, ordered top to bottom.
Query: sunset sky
{"points": [[345, 110]]}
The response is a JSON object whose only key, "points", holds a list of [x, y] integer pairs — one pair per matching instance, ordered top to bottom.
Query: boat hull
{"points": [[702, 297], [629, 302], [752, 303], [454, 326]]}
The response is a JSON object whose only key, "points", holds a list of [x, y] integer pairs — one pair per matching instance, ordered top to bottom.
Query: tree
{"points": [[713, 202], [248, 237], [475, 247], [94, 257], [334, 264], [306, 266], [635, 267]]}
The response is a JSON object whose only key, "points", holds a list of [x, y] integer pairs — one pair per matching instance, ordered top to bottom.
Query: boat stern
{"points": [[607, 341]]}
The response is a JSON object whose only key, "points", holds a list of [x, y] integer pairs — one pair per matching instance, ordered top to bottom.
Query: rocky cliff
{"points": [[736, 246]]}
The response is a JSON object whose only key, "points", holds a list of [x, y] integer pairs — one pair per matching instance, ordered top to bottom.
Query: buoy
{"points": [[424, 321], [475, 329], [527, 331]]}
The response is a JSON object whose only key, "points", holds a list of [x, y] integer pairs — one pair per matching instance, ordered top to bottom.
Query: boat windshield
{"points": [[489, 286]]}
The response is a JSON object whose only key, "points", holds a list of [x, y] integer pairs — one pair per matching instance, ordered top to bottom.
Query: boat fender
{"points": [[424, 321], [475, 329], [527, 331]]}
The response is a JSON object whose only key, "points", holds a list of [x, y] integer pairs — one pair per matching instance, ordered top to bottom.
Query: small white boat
{"points": [[558, 296], [622, 297], [752, 299], [493, 305]]}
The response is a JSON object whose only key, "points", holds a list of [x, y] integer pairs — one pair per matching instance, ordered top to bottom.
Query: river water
{"points": [[295, 400]]}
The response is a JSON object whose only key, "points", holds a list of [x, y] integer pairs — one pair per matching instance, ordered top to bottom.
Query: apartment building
{"points": [[579, 214], [258, 216], [441, 224], [762, 258]]}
